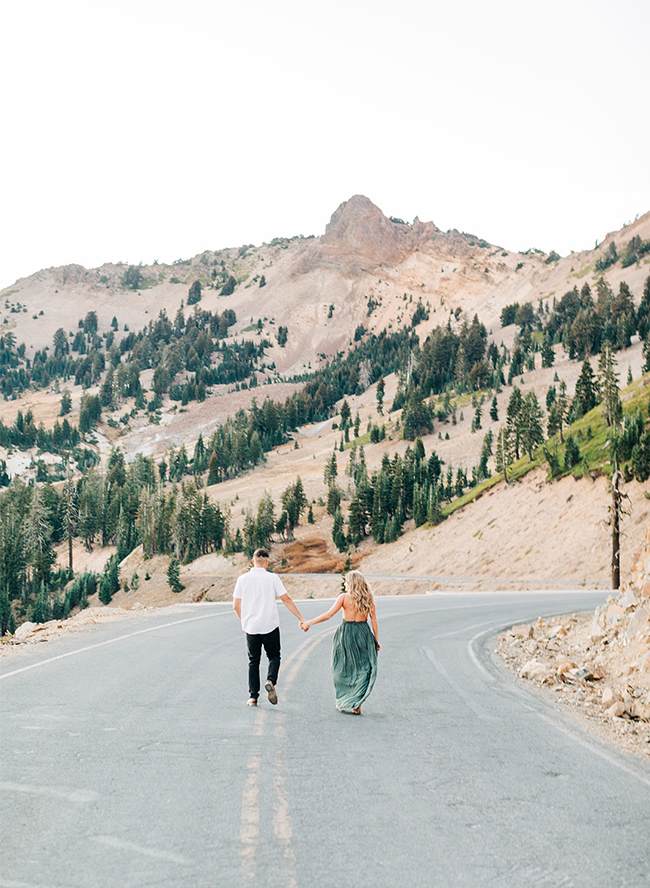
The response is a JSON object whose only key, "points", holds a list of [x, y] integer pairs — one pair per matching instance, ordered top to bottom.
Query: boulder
{"points": [[627, 599], [613, 614], [639, 621], [24, 630], [525, 630], [556, 631], [597, 633], [564, 664], [535, 670], [583, 673], [610, 696], [616, 710], [640, 711]]}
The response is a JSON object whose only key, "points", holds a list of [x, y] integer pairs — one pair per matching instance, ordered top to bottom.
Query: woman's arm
{"points": [[338, 604], [373, 621]]}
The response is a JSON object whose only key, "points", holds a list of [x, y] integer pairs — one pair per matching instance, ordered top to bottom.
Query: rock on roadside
{"points": [[597, 664]]}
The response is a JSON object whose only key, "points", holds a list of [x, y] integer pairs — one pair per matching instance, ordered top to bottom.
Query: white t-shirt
{"points": [[259, 590]]}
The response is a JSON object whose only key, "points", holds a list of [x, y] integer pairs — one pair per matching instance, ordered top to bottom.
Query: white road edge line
{"points": [[99, 644], [472, 654], [574, 735], [592, 747]]}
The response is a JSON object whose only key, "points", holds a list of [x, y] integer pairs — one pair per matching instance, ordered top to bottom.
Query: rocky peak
{"points": [[361, 226]]}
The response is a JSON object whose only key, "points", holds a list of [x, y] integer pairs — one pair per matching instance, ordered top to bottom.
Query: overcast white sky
{"points": [[149, 129]]}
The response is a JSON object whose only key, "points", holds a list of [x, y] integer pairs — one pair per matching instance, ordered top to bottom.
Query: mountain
{"points": [[367, 271]]}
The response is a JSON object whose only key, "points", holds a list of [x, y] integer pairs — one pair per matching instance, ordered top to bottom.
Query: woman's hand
{"points": [[304, 625]]}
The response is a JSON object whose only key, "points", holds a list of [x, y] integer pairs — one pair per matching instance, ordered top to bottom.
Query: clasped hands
{"points": [[304, 625]]}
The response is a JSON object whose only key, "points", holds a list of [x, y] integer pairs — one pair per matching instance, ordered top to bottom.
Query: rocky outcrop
{"points": [[359, 238], [599, 663]]}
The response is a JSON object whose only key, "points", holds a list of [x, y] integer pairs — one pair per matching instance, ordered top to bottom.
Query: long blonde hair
{"points": [[359, 591]]}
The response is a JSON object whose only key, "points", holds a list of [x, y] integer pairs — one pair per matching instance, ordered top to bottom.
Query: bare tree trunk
{"points": [[69, 517], [616, 530], [70, 548]]}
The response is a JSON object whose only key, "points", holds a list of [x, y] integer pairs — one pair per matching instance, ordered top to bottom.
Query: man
{"points": [[255, 603]]}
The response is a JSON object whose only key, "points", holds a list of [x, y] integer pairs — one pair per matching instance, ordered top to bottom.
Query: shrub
{"points": [[132, 278]]}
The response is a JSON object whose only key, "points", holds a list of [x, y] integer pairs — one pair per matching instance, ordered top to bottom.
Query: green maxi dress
{"points": [[354, 664]]}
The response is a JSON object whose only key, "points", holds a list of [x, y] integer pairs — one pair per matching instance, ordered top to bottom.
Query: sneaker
{"points": [[270, 690], [252, 701]]}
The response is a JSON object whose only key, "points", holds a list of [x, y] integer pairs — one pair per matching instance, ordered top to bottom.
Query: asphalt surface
{"points": [[129, 758]]}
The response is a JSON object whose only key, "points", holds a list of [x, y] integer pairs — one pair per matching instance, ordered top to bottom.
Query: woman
{"points": [[354, 650]]}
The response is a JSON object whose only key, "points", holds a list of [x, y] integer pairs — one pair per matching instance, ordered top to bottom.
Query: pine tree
{"points": [[194, 293], [548, 354], [608, 382], [381, 390], [586, 392], [66, 403], [558, 412], [512, 422], [530, 423], [486, 452], [504, 452], [199, 458], [214, 470], [331, 470], [334, 497], [299, 498], [419, 506], [70, 507], [434, 512], [356, 521], [265, 524], [338, 537], [39, 538], [173, 576], [109, 581], [42, 611], [5, 613]]}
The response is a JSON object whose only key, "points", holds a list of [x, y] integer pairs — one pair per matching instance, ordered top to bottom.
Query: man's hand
{"points": [[304, 625]]}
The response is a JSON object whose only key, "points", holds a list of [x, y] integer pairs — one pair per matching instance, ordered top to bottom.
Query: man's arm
{"points": [[236, 603], [288, 603]]}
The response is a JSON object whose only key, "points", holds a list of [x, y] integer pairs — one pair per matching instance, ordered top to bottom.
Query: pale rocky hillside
{"points": [[363, 259]]}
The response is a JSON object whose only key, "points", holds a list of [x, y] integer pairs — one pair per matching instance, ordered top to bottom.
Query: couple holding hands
{"points": [[354, 649]]}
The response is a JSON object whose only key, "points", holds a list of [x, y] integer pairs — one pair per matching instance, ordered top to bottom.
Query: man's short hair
{"points": [[260, 554]]}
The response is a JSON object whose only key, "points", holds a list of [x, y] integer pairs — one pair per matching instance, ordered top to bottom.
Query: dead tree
{"points": [[617, 496], [617, 509]]}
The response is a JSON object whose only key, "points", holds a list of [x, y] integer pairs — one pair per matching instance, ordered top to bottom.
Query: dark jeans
{"points": [[271, 644]]}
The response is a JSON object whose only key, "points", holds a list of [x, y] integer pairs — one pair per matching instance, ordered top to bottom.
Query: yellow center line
{"points": [[309, 645], [281, 817], [249, 832]]}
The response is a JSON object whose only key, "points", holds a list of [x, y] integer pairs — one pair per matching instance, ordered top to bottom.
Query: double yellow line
{"points": [[249, 833]]}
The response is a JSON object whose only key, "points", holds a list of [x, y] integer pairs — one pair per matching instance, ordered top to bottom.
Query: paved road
{"points": [[129, 759]]}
